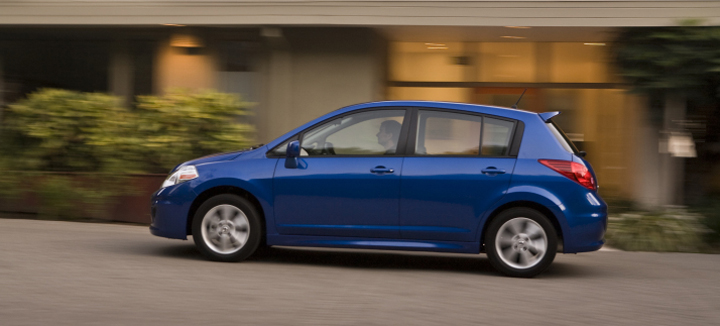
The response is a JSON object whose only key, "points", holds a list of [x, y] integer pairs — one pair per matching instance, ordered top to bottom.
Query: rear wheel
{"points": [[227, 228], [521, 242]]}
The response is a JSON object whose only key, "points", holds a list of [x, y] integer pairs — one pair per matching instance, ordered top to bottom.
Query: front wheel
{"points": [[226, 228], [521, 242]]}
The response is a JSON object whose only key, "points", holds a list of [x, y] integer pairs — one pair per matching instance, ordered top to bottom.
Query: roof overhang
{"points": [[589, 13]]}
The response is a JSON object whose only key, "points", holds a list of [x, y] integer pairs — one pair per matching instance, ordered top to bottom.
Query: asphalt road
{"points": [[64, 273]]}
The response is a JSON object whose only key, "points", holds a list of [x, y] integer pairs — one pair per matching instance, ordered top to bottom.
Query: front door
{"points": [[347, 182]]}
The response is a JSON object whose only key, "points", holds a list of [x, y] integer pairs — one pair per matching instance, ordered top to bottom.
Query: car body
{"points": [[454, 170]]}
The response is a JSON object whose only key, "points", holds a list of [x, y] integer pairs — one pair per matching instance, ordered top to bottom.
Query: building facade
{"points": [[296, 59]]}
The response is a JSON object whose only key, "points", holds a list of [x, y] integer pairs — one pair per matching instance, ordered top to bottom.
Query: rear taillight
{"points": [[572, 170]]}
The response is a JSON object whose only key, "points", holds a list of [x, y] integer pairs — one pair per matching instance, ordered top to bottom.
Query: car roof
{"points": [[475, 108], [521, 115]]}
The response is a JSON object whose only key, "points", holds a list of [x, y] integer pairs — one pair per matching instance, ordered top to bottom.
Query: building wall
{"points": [[188, 68], [311, 71]]}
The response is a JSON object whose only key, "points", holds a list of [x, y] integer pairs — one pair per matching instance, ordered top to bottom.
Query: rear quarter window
{"points": [[496, 137], [566, 143]]}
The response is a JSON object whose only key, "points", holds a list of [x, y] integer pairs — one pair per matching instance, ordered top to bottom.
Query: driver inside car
{"points": [[388, 135]]}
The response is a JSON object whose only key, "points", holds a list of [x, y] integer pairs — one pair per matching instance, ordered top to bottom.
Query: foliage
{"points": [[681, 59], [180, 126], [53, 130], [60, 130], [65, 131], [9, 182], [70, 197], [618, 205], [709, 208], [673, 229]]}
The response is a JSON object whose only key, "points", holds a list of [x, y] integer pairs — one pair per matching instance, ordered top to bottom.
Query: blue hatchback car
{"points": [[399, 175]]}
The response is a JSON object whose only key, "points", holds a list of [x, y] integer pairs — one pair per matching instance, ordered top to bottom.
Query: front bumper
{"points": [[169, 209]]}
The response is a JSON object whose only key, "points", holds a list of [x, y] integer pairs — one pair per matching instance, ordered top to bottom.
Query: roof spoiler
{"points": [[548, 115]]}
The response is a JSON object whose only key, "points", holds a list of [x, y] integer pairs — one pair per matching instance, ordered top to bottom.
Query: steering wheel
{"points": [[328, 149]]}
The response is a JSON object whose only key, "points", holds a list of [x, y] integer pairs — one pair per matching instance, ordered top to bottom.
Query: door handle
{"points": [[381, 169], [491, 170]]}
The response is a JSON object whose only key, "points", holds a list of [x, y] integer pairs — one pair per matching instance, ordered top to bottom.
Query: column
{"points": [[120, 77]]}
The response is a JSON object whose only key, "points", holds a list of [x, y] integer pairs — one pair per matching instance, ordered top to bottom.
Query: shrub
{"points": [[180, 126], [53, 130], [66, 131], [9, 182], [68, 197], [709, 208], [673, 229]]}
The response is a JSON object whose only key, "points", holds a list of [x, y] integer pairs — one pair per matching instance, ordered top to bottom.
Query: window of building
{"points": [[438, 62], [506, 62], [574, 62]]}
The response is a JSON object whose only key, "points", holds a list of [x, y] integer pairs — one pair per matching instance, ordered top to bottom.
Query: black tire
{"points": [[213, 244], [516, 252]]}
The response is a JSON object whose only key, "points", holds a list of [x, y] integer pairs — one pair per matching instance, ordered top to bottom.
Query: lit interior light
{"points": [[175, 25], [513, 37], [185, 41], [595, 44], [436, 46]]}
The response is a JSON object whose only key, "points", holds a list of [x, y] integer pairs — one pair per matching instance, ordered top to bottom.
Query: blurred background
{"points": [[637, 82]]}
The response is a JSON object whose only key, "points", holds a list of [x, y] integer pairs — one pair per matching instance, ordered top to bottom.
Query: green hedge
{"points": [[61, 130], [66, 131], [671, 229]]}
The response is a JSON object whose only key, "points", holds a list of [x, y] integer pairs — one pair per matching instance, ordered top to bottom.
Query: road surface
{"points": [[67, 273]]}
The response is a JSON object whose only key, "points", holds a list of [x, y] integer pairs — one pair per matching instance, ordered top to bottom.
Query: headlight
{"points": [[185, 173]]}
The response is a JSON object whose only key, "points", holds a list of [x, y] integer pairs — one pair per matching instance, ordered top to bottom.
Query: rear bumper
{"points": [[586, 226]]}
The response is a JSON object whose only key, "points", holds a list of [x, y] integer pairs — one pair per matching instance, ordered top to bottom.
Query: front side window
{"points": [[365, 133], [445, 133], [281, 150]]}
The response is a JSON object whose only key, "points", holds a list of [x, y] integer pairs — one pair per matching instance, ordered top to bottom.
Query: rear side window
{"points": [[445, 133], [496, 137], [562, 138]]}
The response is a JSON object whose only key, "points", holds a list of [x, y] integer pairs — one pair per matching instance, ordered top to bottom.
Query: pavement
{"points": [[69, 273]]}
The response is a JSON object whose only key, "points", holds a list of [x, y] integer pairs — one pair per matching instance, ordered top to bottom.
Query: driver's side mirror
{"points": [[292, 154]]}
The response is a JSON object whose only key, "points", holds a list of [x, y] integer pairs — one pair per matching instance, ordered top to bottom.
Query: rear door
{"points": [[460, 164]]}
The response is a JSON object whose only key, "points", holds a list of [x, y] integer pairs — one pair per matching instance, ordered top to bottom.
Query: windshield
{"points": [[566, 143]]}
